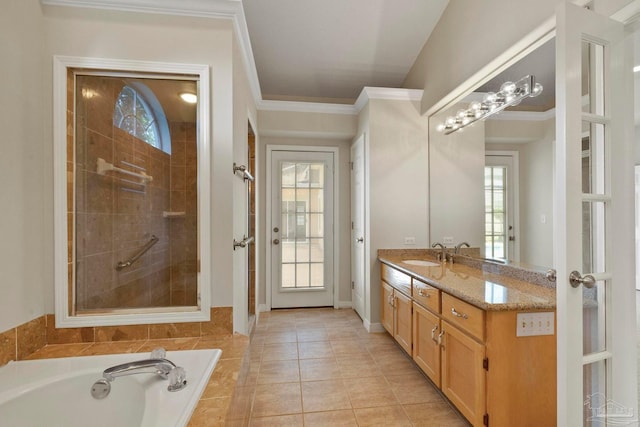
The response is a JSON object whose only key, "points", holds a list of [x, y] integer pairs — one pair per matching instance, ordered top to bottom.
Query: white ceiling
{"points": [[328, 50]]}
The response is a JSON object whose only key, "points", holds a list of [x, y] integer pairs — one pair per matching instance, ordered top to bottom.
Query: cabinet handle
{"points": [[423, 294], [455, 313], [433, 333], [440, 339]]}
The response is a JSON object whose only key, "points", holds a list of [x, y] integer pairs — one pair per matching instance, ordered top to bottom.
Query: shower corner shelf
{"points": [[171, 214]]}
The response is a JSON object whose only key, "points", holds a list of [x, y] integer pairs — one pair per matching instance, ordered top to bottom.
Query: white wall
{"points": [[110, 34], [464, 41], [456, 170], [397, 179], [535, 183], [26, 267]]}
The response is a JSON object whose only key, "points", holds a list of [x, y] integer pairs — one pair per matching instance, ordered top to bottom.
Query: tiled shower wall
{"points": [[116, 215]]}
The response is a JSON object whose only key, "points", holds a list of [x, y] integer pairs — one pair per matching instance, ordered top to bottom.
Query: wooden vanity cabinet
{"points": [[396, 314], [426, 350], [463, 374], [491, 375]]}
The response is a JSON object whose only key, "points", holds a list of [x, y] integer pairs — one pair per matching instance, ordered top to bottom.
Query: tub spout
{"points": [[160, 366]]}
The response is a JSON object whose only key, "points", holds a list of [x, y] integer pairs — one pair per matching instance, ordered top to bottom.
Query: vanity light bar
{"points": [[510, 94]]}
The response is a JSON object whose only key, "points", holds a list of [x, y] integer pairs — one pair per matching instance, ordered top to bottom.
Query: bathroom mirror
{"points": [[491, 183], [131, 192]]}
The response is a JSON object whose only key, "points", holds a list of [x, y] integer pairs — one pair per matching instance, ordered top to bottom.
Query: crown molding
{"points": [[212, 9], [233, 10], [394, 94], [306, 107], [531, 116]]}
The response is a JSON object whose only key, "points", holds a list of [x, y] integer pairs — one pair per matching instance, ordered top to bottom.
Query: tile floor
{"points": [[320, 367]]}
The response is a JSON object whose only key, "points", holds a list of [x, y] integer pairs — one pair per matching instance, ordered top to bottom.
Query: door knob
{"points": [[276, 241], [576, 279]]}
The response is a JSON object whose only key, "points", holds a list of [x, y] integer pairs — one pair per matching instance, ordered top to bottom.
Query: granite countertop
{"points": [[479, 287]]}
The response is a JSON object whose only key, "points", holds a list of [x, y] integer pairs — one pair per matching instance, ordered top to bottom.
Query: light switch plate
{"points": [[409, 240], [447, 240], [533, 324]]}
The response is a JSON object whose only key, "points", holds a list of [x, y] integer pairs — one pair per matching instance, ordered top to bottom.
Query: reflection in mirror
{"points": [[492, 181], [134, 209]]}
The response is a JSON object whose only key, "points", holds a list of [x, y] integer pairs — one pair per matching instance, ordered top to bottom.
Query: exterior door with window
{"points": [[500, 181], [593, 214], [301, 229]]}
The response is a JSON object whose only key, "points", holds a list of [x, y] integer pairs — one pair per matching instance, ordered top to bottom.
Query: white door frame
{"points": [[513, 198], [336, 207], [362, 234]]}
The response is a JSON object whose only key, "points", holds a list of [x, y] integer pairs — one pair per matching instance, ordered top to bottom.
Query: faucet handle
{"points": [[159, 353], [177, 379]]}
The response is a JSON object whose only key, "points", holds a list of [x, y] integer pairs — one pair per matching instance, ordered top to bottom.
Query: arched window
{"points": [[139, 113]]}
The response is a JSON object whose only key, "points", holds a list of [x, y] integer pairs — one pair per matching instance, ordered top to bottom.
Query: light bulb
{"points": [[508, 88], [537, 89], [190, 98], [489, 98], [475, 106], [461, 114], [450, 121], [441, 127]]}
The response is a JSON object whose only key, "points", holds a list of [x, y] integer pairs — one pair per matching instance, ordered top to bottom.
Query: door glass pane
{"points": [[593, 78], [593, 158], [302, 194], [495, 226], [593, 237], [317, 275], [594, 318], [595, 394]]}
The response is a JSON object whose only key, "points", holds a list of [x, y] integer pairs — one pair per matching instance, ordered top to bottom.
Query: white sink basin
{"points": [[420, 262]]}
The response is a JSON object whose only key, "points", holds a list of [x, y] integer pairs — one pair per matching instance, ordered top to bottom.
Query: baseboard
{"points": [[344, 304], [262, 308], [373, 327]]}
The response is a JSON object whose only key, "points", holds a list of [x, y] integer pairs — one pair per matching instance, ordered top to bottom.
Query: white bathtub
{"points": [[56, 392]]}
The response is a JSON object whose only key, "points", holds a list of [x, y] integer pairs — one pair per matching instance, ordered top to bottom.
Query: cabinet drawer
{"points": [[397, 279], [427, 296], [467, 317]]}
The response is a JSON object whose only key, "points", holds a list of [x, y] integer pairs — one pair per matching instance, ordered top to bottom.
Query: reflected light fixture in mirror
{"points": [[510, 93], [189, 98], [131, 193]]}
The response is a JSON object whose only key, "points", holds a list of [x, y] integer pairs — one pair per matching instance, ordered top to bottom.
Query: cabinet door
{"points": [[387, 308], [402, 321], [426, 351], [463, 376]]}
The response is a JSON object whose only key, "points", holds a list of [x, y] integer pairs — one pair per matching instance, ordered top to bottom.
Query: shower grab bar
{"points": [[102, 167], [246, 175], [242, 243], [141, 252]]}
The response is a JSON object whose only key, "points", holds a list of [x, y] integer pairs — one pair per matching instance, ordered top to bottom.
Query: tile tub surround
{"points": [[471, 284], [20, 342]]}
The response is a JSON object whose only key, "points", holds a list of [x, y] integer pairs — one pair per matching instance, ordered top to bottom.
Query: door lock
{"points": [[276, 241], [576, 279]]}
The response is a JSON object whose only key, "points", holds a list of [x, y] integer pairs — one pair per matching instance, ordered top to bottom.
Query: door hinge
{"points": [[351, 165], [352, 225], [353, 286], [485, 363], [485, 420]]}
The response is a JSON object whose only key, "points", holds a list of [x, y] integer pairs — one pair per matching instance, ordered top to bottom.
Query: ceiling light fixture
{"points": [[510, 93], [188, 97]]}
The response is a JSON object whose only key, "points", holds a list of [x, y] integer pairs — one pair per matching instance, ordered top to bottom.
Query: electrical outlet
{"points": [[409, 240], [447, 240], [533, 324]]}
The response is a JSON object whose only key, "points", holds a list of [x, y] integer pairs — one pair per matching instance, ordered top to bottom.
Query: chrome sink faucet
{"points": [[459, 245], [442, 255]]}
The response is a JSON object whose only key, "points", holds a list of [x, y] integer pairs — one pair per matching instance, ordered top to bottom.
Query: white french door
{"points": [[592, 215], [501, 219], [358, 227], [301, 228]]}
